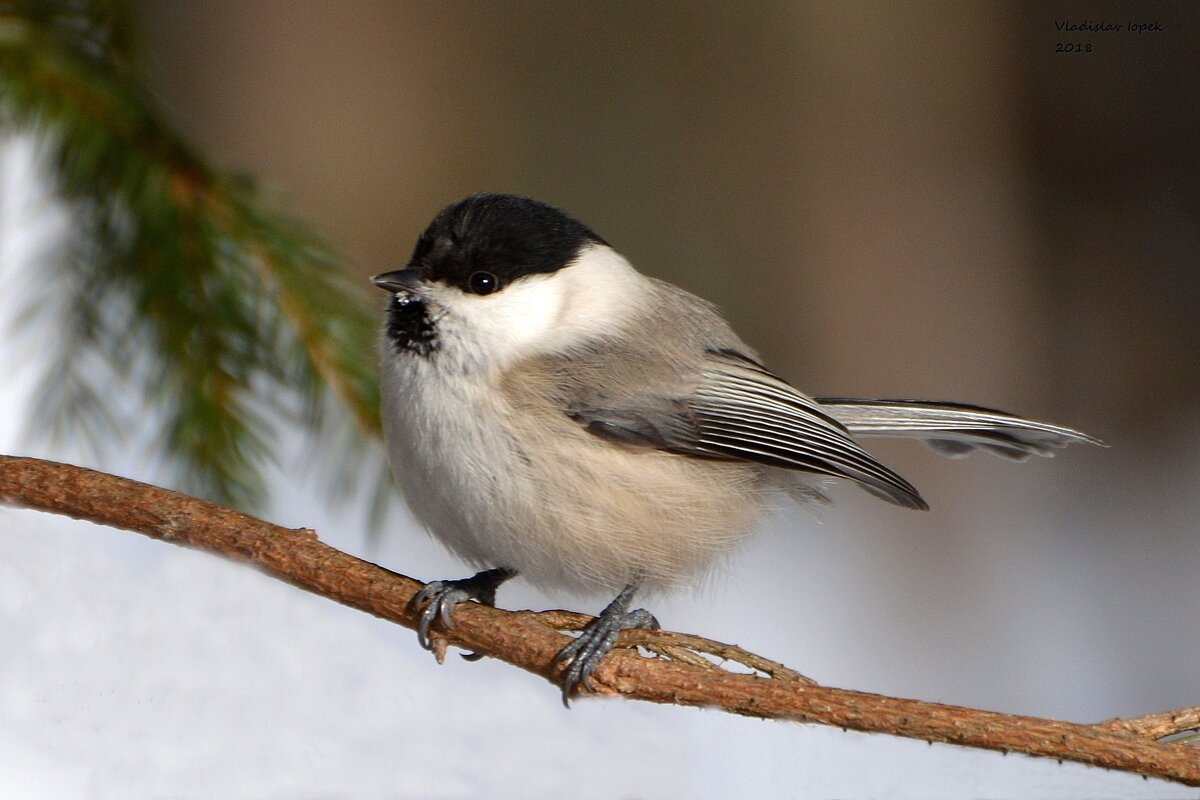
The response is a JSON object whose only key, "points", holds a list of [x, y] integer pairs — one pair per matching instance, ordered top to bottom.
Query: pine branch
{"points": [[183, 285], [680, 674]]}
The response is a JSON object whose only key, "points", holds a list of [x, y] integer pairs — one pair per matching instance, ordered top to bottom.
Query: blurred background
{"points": [[887, 199]]}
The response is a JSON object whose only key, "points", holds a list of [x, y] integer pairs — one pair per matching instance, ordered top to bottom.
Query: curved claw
{"points": [[438, 599], [582, 655]]}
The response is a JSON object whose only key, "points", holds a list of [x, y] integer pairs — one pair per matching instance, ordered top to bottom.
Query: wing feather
{"points": [[738, 411], [743, 411]]}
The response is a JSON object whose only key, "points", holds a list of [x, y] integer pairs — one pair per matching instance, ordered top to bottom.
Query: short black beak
{"points": [[398, 280]]}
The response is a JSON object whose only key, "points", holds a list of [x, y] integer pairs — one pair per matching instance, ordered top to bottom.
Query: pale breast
{"points": [[503, 478]]}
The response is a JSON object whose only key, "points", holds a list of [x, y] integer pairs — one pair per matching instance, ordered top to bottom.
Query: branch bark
{"points": [[680, 673]]}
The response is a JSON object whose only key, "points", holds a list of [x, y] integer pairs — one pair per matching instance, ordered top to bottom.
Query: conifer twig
{"points": [[179, 286]]}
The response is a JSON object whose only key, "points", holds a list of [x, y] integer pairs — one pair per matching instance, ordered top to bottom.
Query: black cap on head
{"points": [[505, 235]]}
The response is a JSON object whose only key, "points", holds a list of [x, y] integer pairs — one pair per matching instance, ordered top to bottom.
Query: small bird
{"points": [[550, 412]]}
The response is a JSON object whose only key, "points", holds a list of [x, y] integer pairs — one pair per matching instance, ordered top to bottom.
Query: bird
{"points": [[552, 413]]}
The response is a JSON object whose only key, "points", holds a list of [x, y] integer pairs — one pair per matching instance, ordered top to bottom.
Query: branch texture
{"points": [[683, 671]]}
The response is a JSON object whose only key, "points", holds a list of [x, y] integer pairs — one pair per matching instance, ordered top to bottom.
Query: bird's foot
{"points": [[438, 599], [581, 657]]}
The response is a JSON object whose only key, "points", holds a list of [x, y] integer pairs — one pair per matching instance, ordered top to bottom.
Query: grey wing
{"points": [[737, 410], [953, 429]]}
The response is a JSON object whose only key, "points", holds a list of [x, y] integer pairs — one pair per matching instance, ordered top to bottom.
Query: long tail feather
{"points": [[953, 429]]}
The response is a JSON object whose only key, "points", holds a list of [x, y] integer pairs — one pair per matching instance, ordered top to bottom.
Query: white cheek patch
{"points": [[542, 313], [505, 325]]}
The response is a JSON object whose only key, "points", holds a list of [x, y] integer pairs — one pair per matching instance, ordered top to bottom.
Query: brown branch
{"points": [[680, 673]]}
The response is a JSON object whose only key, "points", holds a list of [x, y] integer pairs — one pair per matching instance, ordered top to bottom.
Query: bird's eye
{"points": [[483, 283]]}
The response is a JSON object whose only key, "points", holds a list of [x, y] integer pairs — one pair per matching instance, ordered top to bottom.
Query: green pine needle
{"points": [[181, 286]]}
